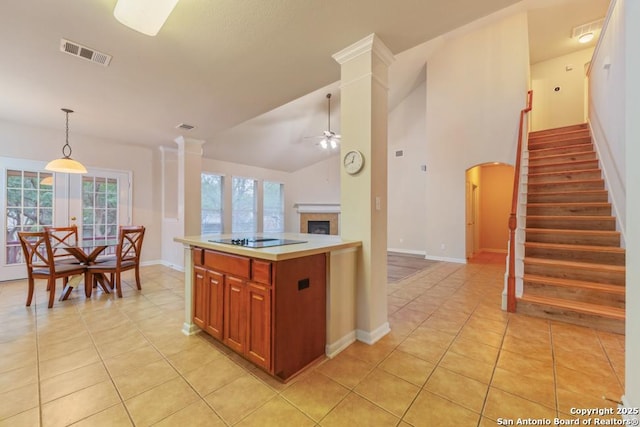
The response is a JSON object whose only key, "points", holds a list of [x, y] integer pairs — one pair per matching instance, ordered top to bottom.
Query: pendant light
{"points": [[66, 163]]}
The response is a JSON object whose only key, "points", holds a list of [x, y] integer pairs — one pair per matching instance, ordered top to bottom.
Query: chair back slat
{"points": [[61, 237], [130, 243], [37, 250]]}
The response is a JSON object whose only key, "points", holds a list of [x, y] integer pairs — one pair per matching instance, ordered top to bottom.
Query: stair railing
{"points": [[513, 219]]}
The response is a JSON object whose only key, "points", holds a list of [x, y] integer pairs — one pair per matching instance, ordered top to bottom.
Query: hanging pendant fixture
{"points": [[66, 164]]}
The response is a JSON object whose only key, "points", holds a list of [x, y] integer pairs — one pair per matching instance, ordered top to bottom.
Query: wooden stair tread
{"points": [[567, 128], [551, 149], [555, 156], [533, 175], [582, 181], [569, 193], [603, 204], [574, 217], [572, 231], [585, 248], [575, 264], [569, 283], [582, 307]]}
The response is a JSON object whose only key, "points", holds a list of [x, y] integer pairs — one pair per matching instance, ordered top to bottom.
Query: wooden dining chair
{"points": [[60, 238], [38, 255], [127, 258]]}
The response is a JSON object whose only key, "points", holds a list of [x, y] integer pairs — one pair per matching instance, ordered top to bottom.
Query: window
{"points": [[211, 200], [243, 205], [29, 207], [99, 207], [273, 207]]}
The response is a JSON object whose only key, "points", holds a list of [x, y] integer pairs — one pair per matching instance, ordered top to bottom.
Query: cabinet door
{"points": [[199, 297], [215, 302], [234, 313], [258, 345]]}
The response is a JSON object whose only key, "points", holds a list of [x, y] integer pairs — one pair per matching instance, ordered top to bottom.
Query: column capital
{"points": [[370, 43], [190, 145]]}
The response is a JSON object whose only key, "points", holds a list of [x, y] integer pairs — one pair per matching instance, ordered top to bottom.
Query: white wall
{"points": [[476, 86], [564, 107], [606, 113], [34, 143], [632, 143], [406, 181], [318, 183]]}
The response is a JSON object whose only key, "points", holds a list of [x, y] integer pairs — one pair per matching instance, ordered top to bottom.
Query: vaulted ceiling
{"points": [[250, 75]]}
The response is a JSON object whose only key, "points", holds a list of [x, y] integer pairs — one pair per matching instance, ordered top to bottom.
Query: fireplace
{"points": [[319, 218], [319, 227]]}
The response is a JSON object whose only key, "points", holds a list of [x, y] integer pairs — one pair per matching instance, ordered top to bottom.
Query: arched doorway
{"points": [[488, 204]]}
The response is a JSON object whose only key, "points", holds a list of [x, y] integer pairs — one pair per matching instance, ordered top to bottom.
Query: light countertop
{"points": [[314, 244]]}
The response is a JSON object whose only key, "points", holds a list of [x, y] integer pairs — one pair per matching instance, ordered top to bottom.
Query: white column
{"points": [[363, 200], [189, 207]]}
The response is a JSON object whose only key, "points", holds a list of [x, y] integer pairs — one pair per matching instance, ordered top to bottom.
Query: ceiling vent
{"points": [[590, 27], [75, 49], [184, 126]]}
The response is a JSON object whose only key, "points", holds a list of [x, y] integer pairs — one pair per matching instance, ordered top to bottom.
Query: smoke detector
{"points": [[585, 32], [84, 52]]}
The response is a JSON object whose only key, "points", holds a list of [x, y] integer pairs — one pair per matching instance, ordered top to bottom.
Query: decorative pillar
{"points": [[363, 197], [189, 207]]}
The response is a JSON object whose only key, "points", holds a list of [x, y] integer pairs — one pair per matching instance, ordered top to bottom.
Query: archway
{"points": [[488, 204]]}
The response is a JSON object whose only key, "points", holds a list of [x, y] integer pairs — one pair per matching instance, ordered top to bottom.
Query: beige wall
{"points": [[476, 86], [564, 107], [496, 186]]}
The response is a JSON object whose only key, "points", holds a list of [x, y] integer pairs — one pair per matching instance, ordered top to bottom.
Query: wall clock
{"points": [[353, 162]]}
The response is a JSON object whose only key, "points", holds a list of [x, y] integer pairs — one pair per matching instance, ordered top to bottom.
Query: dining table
{"points": [[87, 252]]}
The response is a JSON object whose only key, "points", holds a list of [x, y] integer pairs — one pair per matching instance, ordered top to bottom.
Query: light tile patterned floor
{"points": [[452, 358]]}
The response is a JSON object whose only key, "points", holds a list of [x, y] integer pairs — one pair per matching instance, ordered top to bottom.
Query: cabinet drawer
{"points": [[198, 256], [232, 264], [261, 271]]}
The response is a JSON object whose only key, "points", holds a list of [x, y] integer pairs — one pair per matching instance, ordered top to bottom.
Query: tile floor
{"points": [[452, 358]]}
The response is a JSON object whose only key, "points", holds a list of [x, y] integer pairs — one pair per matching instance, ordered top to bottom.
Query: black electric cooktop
{"points": [[257, 242]]}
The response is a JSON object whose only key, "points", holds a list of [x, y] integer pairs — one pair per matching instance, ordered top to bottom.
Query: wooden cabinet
{"points": [[272, 313]]}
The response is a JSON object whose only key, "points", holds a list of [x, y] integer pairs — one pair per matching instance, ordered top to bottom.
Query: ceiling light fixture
{"points": [[144, 16], [585, 38], [66, 164]]}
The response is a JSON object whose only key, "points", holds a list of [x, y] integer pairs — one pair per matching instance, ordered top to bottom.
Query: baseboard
{"points": [[407, 251], [446, 259], [163, 263], [190, 329], [373, 336], [333, 349], [629, 412]]}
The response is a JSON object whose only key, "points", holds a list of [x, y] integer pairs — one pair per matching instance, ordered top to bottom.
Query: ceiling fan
{"points": [[329, 139]]}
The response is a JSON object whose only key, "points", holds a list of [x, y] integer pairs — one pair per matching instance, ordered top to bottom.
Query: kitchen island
{"points": [[281, 300]]}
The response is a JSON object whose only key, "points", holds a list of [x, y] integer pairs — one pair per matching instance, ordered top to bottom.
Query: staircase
{"points": [[574, 267]]}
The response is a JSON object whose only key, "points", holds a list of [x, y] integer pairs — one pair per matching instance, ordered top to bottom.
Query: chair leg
{"points": [[138, 278], [88, 283], [51, 285], [118, 285], [30, 291]]}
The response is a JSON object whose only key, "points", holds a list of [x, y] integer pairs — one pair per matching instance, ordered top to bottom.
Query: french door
{"points": [[32, 198]]}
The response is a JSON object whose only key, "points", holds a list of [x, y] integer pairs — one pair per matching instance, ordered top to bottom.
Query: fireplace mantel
{"points": [[317, 207], [319, 212]]}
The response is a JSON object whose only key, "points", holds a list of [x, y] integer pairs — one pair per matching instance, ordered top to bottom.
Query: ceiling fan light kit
{"points": [[330, 138], [66, 164]]}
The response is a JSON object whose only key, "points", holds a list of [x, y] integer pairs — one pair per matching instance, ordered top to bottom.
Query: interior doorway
{"points": [[488, 205]]}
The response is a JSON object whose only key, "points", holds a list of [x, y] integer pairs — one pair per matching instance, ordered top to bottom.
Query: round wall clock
{"points": [[353, 162]]}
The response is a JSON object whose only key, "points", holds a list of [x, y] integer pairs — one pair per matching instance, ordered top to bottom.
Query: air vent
{"points": [[590, 27], [84, 52], [185, 126], [399, 153]]}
